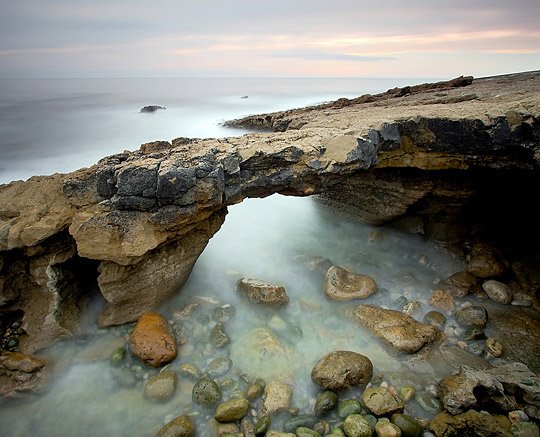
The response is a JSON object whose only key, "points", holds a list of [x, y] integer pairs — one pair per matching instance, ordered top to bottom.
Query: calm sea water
{"points": [[59, 125]]}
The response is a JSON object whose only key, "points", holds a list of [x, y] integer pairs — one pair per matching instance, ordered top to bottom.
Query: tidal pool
{"points": [[282, 240]]}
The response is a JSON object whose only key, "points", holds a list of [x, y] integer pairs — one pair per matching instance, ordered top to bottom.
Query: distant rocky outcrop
{"points": [[151, 108], [134, 224]]}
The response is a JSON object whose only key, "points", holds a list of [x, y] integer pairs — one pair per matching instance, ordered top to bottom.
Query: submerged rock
{"points": [[460, 283], [343, 285], [259, 292], [442, 300], [436, 319], [397, 329], [218, 336], [152, 341], [219, 367], [340, 370], [21, 372], [161, 387], [508, 387], [206, 392], [277, 398], [380, 401], [325, 402], [231, 410], [470, 423], [181, 426], [356, 426], [408, 426], [385, 428]]}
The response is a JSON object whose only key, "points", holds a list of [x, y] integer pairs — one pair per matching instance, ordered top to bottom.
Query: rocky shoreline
{"points": [[457, 161]]}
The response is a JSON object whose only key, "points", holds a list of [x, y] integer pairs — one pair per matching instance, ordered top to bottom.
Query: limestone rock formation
{"points": [[137, 221]]}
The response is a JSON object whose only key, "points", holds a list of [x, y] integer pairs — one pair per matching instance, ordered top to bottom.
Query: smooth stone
{"points": [[461, 282], [342, 285], [259, 292], [498, 292], [442, 300], [401, 301], [522, 303], [412, 308], [223, 313], [474, 315], [435, 318], [277, 324], [474, 333], [218, 336], [152, 340], [494, 347], [118, 356], [219, 367], [340, 370], [190, 371], [161, 387], [255, 389], [206, 392], [407, 392], [277, 397], [380, 401], [325, 402], [349, 406], [231, 410], [371, 419], [303, 420], [262, 425], [181, 426], [356, 426], [247, 427], [409, 427], [385, 428], [525, 429], [302, 431]]}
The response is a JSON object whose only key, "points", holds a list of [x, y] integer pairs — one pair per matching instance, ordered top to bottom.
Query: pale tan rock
{"points": [[343, 285], [442, 300], [277, 397]]}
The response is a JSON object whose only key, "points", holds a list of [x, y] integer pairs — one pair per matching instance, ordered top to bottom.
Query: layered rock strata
{"points": [[137, 221]]}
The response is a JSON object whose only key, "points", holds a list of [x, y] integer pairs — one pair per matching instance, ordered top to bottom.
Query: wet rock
{"points": [[484, 262], [461, 283], [343, 285], [259, 292], [498, 292], [442, 300], [412, 308], [223, 313], [475, 315], [436, 319], [397, 329], [474, 333], [218, 337], [152, 341], [494, 347], [118, 356], [17, 361], [219, 367], [340, 370], [21, 372], [190, 372], [161, 387], [507, 387], [255, 389], [206, 392], [407, 392], [277, 397], [380, 401], [325, 402], [428, 403], [349, 406], [231, 410], [518, 416], [303, 420], [470, 423], [262, 425], [181, 426], [356, 426], [408, 426], [247, 427], [385, 428], [219, 429], [525, 429], [302, 431]]}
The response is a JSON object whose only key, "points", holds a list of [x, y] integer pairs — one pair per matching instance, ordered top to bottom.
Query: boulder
{"points": [[484, 262], [340, 284], [259, 292], [498, 292], [399, 330], [152, 340], [340, 370], [161, 387], [507, 388], [206, 392], [380, 401], [470, 423]]}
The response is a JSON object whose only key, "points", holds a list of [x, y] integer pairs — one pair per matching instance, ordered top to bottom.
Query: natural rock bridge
{"points": [[138, 221]]}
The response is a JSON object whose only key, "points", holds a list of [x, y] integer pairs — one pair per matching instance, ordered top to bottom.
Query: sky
{"points": [[276, 38]]}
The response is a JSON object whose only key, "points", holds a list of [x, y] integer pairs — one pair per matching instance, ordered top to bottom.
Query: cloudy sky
{"points": [[391, 38]]}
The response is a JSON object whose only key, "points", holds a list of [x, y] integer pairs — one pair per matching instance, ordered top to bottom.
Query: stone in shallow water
{"points": [[461, 283], [343, 285], [259, 292], [498, 292], [442, 300], [412, 308], [475, 315], [399, 330], [218, 336], [152, 341], [494, 347], [219, 367], [340, 370], [190, 371], [161, 387], [255, 389], [206, 392], [407, 392], [277, 397], [380, 401], [325, 402], [349, 406], [231, 410], [302, 420], [470, 423], [181, 426], [356, 426], [409, 427], [385, 428]]}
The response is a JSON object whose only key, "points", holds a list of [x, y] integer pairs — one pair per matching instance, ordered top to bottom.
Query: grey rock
{"points": [[151, 108], [475, 315], [219, 337], [219, 367], [340, 370], [161, 387], [206, 392], [380, 401], [325, 403], [231, 410], [356, 426], [525, 429]]}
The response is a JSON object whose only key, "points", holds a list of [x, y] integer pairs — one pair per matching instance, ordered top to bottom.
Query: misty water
{"points": [[53, 126]]}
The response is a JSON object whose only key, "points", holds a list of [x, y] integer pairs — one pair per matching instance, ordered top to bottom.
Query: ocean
{"points": [[60, 125]]}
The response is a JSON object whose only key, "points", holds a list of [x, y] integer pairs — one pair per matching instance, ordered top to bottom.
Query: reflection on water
{"points": [[287, 241]]}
